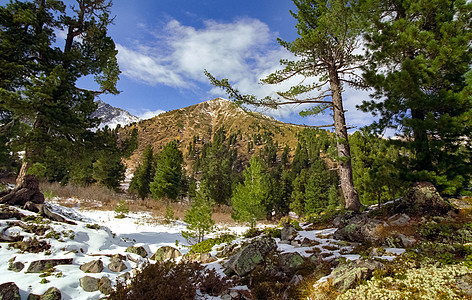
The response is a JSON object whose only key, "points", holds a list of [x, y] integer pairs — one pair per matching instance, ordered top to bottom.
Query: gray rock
{"points": [[422, 199], [460, 203], [399, 220], [361, 229], [288, 232], [407, 241], [137, 250], [166, 252], [250, 256], [117, 258], [204, 258], [290, 262], [17, 266], [39, 266], [95, 266], [117, 266], [349, 274], [125, 276], [89, 284], [465, 284], [104, 285], [9, 291], [52, 294], [33, 297]]}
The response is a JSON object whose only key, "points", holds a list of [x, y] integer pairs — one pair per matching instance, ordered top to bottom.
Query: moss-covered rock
{"points": [[422, 199], [166, 252], [348, 275]]}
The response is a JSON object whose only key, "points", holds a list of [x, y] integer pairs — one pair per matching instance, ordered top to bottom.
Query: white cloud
{"points": [[242, 51], [148, 114]]}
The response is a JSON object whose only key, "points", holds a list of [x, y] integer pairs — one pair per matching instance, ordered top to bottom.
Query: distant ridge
{"points": [[113, 116], [202, 120]]}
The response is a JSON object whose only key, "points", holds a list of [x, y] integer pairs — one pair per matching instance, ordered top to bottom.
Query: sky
{"points": [[165, 46]]}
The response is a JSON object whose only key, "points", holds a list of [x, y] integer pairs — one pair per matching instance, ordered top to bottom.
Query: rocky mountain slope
{"points": [[112, 116], [203, 119]]}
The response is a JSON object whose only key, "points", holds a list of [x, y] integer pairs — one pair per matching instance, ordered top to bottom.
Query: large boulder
{"points": [[26, 191], [422, 199], [360, 229], [139, 250], [166, 252], [250, 256], [204, 258], [290, 262], [39, 266], [95, 266], [348, 275], [89, 284], [9, 291], [52, 294]]}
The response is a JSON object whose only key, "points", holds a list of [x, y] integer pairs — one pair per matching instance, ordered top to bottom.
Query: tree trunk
{"points": [[344, 152]]}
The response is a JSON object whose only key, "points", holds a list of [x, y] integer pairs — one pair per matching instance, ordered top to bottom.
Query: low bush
{"points": [[207, 245], [170, 281]]}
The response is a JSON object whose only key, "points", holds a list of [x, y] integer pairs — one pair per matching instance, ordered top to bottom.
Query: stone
{"points": [[26, 191], [422, 199], [460, 203], [399, 220], [361, 229], [288, 232], [407, 241], [137, 250], [166, 252], [250, 256], [117, 258], [204, 258], [290, 262], [17, 266], [39, 266], [94, 266], [117, 266], [348, 275], [125, 276], [89, 284], [465, 284], [104, 285], [10, 291], [52, 294], [33, 297]]}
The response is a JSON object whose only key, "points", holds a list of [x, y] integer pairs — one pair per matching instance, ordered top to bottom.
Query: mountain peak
{"points": [[112, 116]]}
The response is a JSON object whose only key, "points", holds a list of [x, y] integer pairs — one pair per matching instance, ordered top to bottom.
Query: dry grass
{"points": [[97, 197]]}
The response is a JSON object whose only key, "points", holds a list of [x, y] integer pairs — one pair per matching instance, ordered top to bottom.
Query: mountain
{"points": [[112, 116], [204, 119]]}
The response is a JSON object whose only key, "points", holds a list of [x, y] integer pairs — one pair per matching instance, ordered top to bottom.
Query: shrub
{"points": [[206, 245], [170, 281]]}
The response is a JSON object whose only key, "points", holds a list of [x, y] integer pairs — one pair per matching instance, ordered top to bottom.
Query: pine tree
{"points": [[329, 32], [420, 54], [38, 80], [144, 174], [168, 175], [250, 196], [199, 216]]}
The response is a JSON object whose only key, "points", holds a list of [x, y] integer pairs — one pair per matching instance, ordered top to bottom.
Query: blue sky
{"points": [[164, 46]]}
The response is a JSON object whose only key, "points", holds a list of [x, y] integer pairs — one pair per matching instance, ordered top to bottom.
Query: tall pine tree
{"points": [[168, 175]]}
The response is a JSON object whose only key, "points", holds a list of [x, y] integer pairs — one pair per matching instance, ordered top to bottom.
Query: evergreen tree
{"points": [[329, 32], [420, 54], [38, 80], [144, 174], [168, 175], [318, 189], [249, 198], [297, 203], [199, 216]]}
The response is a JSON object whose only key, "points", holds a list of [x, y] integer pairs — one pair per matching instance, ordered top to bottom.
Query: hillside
{"points": [[202, 120]]}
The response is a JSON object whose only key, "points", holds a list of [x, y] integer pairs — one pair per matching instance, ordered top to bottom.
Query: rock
{"points": [[26, 191], [422, 199], [460, 203], [399, 220], [361, 229], [288, 232], [407, 241], [137, 250], [227, 251], [166, 252], [250, 256], [117, 258], [204, 258], [290, 262], [43, 265], [17, 266], [95, 266], [117, 266], [349, 274], [125, 276], [89, 284], [465, 284], [104, 285], [9, 291], [52, 294], [33, 297]]}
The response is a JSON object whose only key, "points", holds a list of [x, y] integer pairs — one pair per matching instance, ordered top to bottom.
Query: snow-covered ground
{"points": [[84, 244]]}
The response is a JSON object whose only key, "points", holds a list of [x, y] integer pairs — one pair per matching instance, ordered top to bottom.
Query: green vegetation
{"points": [[167, 180]]}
